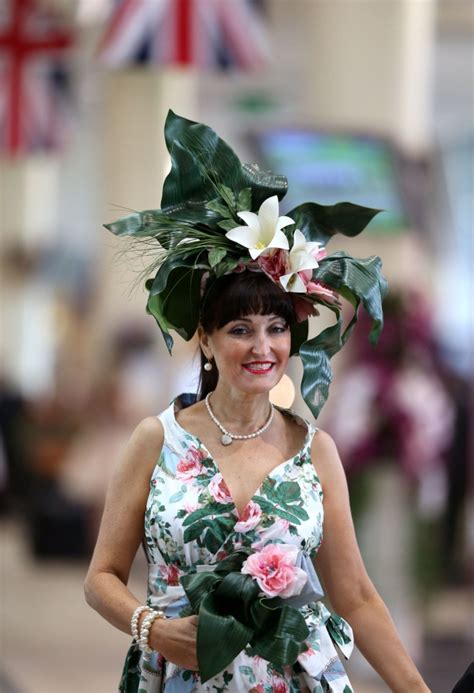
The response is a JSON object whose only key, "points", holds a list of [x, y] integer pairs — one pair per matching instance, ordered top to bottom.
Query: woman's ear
{"points": [[204, 342]]}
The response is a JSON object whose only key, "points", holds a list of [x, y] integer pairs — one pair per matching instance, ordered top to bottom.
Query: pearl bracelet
{"points": [[134, 621], [145, 629]]}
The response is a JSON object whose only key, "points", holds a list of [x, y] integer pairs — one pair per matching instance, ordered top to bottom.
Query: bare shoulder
{"points": [[142, 450], [327, 462]]}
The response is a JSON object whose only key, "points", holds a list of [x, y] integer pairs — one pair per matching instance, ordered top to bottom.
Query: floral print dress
{"points": [[190, 520]]}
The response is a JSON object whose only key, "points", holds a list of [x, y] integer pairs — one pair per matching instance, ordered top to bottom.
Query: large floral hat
{"points": [[218, 216]]}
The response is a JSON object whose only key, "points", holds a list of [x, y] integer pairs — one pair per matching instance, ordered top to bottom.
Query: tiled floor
{"points": [[52, 642]]}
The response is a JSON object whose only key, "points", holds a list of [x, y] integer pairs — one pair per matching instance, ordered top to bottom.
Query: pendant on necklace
{"points": [[226, 439]]}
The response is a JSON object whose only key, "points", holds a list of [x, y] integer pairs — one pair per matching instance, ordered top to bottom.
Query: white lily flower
{"points": [[262, 231], [300, 258]]}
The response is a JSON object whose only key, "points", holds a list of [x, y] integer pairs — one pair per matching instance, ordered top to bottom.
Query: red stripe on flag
{"points": [[119, 20], [183, 32]]}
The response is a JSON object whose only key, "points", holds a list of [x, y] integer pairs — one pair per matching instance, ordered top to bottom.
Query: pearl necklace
{"points": [[227, 438]]}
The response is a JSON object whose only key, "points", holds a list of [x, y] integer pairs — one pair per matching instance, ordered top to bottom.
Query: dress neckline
{"points": [[286, 412]]}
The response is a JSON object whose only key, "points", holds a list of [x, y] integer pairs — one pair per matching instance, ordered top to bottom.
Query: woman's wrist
{"points": [[156, 636]]}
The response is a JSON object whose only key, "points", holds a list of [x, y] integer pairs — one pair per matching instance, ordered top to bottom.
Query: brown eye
{"points": [[238, 330]]}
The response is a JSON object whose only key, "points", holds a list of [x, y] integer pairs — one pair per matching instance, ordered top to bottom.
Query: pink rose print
{"points": [[190, 466], [218, 489], [250, 517], [275, 571], [170, 574], [279, 685]]}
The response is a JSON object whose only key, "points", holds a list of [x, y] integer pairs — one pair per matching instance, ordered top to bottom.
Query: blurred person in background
{"points": [[121, 396], [225, 481]]}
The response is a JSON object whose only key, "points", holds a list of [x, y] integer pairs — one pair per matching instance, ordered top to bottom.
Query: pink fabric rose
{"points": [[274, 264], [324, 292], [190, 466], [219, 490], [250, 517], [275, 571]]}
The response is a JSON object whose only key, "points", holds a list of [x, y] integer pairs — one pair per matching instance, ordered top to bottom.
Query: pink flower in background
{"points": [[274, 264], [190, 466], [219, 490], [250, 517], [275, 571]]}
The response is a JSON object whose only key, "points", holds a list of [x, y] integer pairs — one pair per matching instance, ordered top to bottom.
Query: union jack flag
{"points": [[206, 33], [32, 79]]}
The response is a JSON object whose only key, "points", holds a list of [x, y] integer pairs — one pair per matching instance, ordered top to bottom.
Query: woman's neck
{"points": [[240, 411]]}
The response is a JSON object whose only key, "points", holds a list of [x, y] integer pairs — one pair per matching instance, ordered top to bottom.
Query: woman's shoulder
{"points": [[147, 438], [326, 460]]}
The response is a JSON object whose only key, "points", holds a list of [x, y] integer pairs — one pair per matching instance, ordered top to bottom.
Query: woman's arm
{"points": [[120, 534], [348, 586]]}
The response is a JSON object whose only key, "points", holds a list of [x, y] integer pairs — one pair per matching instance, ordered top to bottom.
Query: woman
{"points": [[231, 473]]}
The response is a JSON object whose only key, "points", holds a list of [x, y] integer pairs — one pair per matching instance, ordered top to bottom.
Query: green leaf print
{"points": [[288, 491], [176, 497], [210, 509], [293, 513], [217, 527], [194, 532], [248, 672]]}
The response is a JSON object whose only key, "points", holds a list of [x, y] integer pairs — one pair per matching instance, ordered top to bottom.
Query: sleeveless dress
{"points": [[190, 520]]}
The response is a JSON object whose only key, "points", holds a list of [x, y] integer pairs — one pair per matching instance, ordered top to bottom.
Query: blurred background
{"points": [[363, 100]]}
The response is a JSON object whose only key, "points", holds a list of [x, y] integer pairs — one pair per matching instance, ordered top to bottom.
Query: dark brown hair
{"points": [[234, 296]]}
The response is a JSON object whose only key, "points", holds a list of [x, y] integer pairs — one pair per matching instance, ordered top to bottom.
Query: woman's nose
{"points": [[261, 345]]}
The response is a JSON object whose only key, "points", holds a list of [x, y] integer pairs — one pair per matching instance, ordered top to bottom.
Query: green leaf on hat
{"points": [[201, 161], [263, 184], [244, 201], [321, 222], [216, 255], [361, 278], [359, 281], [176, 307]]}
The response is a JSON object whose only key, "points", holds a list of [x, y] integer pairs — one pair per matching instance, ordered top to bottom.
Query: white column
{"points": [[369, 67], [135, 163], [29, 204]]}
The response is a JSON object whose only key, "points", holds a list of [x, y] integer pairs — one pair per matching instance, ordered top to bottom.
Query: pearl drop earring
{"points": [[208, 366]]}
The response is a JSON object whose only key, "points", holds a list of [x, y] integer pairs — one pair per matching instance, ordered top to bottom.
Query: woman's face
{"points": [[251, 353]]}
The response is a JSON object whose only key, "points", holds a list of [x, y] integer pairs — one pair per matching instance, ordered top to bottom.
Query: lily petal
{"points": [[251, 220], [284, 221], [244, 235], [279, 240], [302, 261], [292, 282]]}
